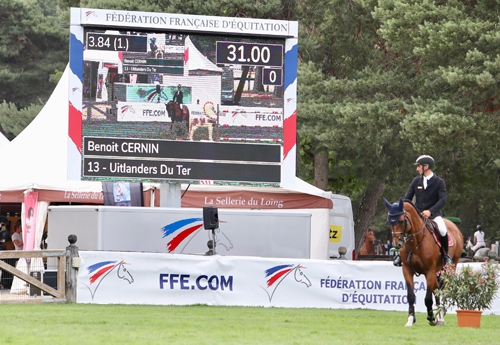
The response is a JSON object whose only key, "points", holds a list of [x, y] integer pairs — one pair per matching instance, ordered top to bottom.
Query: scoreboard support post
{"points": [[170, 194]]}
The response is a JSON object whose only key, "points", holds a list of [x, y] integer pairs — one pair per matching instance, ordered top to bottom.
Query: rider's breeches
{"points": [[441, 225], [478, 245]]}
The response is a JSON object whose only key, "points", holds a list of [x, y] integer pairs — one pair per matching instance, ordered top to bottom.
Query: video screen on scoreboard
{"points": [[175, 86], [163, 106]]}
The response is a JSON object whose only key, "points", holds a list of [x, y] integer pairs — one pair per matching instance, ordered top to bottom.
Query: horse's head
{"points": [[396, 216], [370, 236], [469, 244], [123, 273], [301, 277]]}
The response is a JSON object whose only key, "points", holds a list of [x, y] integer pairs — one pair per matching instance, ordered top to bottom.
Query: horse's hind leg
{"points": [[432, 285], [428, 304]]}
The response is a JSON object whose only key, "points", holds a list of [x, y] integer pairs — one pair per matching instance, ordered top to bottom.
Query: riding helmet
{"points": [[425, 159], [478, 228]]}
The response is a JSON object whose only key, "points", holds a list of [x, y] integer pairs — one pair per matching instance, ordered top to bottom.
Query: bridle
{"points": [[404, 236]]}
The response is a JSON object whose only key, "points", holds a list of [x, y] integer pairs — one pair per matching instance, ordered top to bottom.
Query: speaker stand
{"points": [[214, 242], [211, 244]]}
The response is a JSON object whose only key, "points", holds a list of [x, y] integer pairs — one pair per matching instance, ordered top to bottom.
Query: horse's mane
{"points": [[414, 207]]}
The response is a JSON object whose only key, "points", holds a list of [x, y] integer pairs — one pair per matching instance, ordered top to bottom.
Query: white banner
{"points": [[166, 21], [140, 111], [260, 117], [177, 279]]}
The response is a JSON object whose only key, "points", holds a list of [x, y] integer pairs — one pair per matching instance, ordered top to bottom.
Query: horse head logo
{"points": [[89, 14], [221, 239], [99, 271], [275, 276]]}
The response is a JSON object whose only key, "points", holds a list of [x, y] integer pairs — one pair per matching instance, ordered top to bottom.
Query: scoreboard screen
{"points": [[170, 102]]}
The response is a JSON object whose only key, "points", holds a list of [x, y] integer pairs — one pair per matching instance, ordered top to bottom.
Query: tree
{"points": [[32, 48], [413, 78], [352, 92], [455, 114], [13, 120]]}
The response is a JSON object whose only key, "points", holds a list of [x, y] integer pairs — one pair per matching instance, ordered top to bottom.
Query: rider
{"points": [[179, 95], [430, 193], [478, 239]]}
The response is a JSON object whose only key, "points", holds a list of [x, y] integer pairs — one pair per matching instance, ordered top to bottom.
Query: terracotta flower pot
{"points": [[469, 318]]}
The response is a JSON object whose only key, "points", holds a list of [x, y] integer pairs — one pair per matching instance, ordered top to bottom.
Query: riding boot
{"points": [[444, 243]]}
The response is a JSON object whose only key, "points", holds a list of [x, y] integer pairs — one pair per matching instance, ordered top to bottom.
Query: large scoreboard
{"points": [[157, 97]]}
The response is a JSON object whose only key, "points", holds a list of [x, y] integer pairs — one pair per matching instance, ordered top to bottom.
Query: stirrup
{"points": [[447, 260], [397, 261]]}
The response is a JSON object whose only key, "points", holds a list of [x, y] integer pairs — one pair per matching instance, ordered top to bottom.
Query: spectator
{"points": [[4, 233], [17, 237]]}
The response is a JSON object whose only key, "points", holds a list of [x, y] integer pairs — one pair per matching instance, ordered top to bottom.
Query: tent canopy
{"points": [[301, 196]]}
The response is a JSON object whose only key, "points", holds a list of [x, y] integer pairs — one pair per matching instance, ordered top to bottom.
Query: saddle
{"points": [[434, 229]]}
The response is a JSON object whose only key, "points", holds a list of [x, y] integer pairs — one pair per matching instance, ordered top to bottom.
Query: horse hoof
{"points": [[433, 322]]}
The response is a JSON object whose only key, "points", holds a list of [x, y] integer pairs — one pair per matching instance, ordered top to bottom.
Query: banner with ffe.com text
{"points": [[179, 279]]}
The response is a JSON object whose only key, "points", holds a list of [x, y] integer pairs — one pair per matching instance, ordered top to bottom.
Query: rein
{"points": [[405, 238]]}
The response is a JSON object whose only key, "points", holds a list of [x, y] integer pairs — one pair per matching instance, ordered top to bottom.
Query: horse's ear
{"points": [[401, 203], [387, 204]]}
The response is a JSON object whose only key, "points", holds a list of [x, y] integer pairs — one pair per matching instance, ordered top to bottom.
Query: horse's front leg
{"points": [[410, 294], [441, 311]]}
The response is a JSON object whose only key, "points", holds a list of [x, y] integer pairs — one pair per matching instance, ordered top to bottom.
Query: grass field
{"points": [[62, 324]]}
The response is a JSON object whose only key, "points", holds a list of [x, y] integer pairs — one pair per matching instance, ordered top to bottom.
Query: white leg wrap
{"points": [[410, 321]]}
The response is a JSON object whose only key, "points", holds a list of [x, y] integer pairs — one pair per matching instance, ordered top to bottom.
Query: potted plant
{"points": [[469, 290]]}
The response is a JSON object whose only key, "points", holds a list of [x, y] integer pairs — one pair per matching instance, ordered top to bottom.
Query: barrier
{"points": [[27, 269], [179, 279], [32, 282]]}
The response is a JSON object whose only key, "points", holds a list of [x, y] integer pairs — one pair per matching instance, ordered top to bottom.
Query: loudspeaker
{"points": [[210, 218]]}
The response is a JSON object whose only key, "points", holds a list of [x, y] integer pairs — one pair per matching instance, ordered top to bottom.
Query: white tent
{"points": [[196, 61], [3, 140]]}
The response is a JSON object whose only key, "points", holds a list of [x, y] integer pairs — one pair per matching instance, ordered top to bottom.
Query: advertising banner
{"points": [[130, 111], [30, 211], [176, 279]]}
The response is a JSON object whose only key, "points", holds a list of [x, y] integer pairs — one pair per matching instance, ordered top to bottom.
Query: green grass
{"points": [[62, 324]]}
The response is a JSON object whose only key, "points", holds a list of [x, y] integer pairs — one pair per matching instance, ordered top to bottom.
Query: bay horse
{"points": [[176, 113], [367, 248], [421, 253]]}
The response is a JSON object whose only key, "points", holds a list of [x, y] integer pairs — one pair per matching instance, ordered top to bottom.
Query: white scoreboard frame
{"points": [[129, 20]]}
